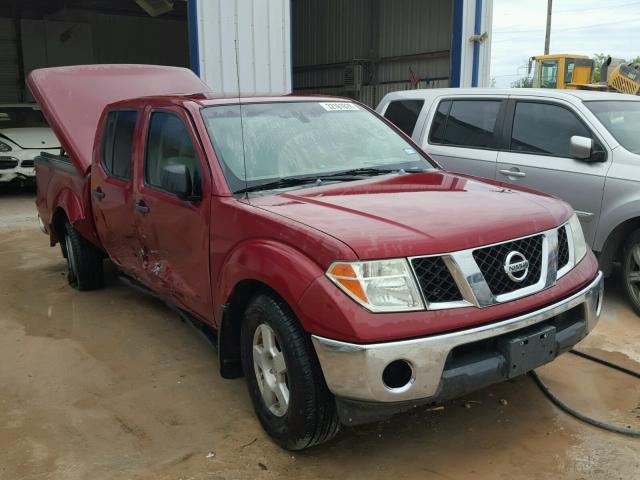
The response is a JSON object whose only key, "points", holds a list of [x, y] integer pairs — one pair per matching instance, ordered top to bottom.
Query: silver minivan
{"points": [[581, 146]]}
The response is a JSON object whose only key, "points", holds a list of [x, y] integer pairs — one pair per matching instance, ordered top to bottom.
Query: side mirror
{"points": [[580, 147], [176, 179]]}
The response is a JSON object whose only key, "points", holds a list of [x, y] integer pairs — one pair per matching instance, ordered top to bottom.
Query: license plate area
{"points": [[528, 349]]}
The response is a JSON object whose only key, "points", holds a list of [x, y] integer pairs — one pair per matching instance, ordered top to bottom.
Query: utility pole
{"points": [[547, 36]]}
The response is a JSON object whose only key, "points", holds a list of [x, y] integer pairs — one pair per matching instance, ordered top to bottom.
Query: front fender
{"points": [[283, 268]]}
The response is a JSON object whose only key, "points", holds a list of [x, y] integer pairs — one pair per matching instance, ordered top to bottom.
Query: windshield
{"points": [[549, 75], [21, 117], [622, 119], [293, 139]]}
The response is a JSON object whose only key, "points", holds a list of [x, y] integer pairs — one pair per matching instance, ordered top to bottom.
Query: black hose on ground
{"points": [[606, 363], [567, 409]]}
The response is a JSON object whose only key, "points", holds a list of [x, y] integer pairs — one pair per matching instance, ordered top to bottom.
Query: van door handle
{"points": [[513, 173], [98, 193], [141, 207]]}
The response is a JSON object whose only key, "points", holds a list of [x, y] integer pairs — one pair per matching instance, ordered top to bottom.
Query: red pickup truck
{"points": [[344, 274]]}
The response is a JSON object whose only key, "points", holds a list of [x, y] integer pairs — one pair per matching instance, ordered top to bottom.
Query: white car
{"points": [[24, 133]]}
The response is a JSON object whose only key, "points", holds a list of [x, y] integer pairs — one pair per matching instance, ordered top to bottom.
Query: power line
{"points": [[608, 7], [573, 28], [559, 30]]}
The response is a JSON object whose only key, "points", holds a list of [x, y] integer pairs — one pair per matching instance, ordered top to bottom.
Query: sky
{"points": [[582, 27]]}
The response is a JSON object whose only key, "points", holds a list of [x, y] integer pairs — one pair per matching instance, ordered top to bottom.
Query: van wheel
{"points": [[84, 261], [631, 270], [286, 385]]}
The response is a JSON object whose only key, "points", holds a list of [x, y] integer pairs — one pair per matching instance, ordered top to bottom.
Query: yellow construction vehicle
{"points": [[563, 71], [567, 71], [620, 76]]}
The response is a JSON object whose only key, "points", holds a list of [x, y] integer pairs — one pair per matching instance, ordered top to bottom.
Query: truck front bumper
{"points": [[438, 367]]}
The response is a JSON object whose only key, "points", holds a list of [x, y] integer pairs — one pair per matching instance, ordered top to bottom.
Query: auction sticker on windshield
{"points": [[339, 106]]}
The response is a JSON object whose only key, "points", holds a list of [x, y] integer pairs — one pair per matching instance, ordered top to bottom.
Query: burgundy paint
{"points": [[195, 254]]}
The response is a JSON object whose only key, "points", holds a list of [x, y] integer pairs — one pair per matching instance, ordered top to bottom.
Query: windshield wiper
{"points": [[360, 171], [345, 176], [280, 183]]}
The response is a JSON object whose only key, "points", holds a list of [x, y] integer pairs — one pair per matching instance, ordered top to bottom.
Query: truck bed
{"points": [[63, 193]]}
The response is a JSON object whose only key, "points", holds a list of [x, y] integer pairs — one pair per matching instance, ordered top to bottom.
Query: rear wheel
{"points": [[84, 261], [631, 270], [284, 378]]}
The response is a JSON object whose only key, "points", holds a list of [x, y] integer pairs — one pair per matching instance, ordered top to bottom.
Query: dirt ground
{"points": [[112, 385]]}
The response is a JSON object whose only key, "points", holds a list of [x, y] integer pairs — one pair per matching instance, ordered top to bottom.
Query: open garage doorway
{"points": [[48, 33], [365, 49]]}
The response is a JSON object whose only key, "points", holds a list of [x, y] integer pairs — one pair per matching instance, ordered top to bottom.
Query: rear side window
{"points": [[404, 114], [466, 123], [546, 129], [117, 143], [169, 143]]}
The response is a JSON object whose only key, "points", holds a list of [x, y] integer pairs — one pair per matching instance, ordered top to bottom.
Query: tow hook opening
{"points": [[41, 225], [599, 302], [398, 375]]}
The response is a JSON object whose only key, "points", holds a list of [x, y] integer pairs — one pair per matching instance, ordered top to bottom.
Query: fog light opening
{"points": [[398, 375]]}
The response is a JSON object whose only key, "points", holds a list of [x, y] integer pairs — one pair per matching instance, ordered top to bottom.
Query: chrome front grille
{"points": [[491, 261], [478, 276]]}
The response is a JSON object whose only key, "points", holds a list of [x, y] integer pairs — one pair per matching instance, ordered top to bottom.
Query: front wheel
{"points": [[84, 261], [631, 270], [285, 382]]}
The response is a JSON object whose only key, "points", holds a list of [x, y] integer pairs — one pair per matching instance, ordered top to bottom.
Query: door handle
{"points": [[513, 173], [97, 193], [141, 207]]}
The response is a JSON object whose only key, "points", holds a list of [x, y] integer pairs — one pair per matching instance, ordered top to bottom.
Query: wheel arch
{"points": [[612, 248], [258, 266]]}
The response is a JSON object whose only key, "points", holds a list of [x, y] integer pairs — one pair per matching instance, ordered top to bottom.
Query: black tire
{"points": [[84, 261], [631, 269], [311, 417]]}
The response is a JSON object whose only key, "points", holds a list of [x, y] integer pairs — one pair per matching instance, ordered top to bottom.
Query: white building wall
{"points": [[468, 31], [244, 46]]}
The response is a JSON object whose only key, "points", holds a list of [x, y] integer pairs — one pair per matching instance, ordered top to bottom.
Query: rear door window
{"points": [[404, 114], [466, 123], [544, 128], [117, 143]]}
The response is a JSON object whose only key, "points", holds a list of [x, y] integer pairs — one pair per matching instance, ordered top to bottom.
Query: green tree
{"points": [[598, 60], [524, 82]]}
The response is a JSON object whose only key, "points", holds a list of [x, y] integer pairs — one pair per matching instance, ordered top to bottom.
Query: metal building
{"points": [[358, 48]]}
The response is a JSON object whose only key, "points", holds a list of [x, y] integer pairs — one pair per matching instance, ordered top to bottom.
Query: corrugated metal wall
{"points": [[386, 37], [244, 46], [10, 89]]}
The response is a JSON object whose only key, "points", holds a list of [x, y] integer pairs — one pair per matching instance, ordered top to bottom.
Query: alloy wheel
{"points": [[633, 272], [271, 370]]}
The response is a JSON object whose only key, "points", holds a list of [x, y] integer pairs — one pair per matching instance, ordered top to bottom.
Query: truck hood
{"points": [[73, 98], [31, 137], [418, 214]]}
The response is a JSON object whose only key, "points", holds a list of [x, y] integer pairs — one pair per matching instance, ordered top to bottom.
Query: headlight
{"points": [[4, 147], [579, 244], [378, 285]]}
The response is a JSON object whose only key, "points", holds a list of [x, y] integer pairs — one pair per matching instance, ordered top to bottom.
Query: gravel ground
{"points": [[112, 385]]}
